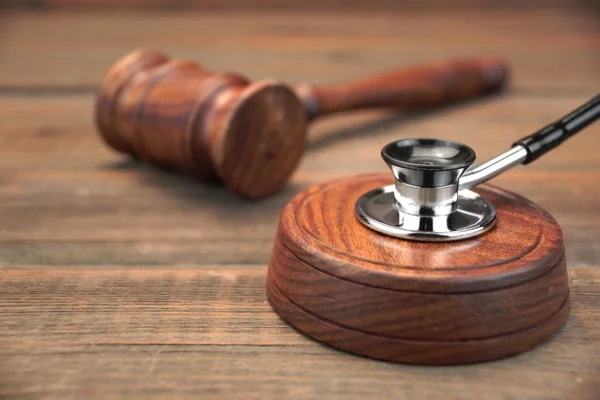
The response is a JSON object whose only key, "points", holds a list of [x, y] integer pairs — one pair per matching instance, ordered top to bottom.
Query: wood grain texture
{"points": [[357, 5], [547, 50], [410, 88], [177, 114], [55, 169], [319, 226], [118, 280], [474, 300], [417, 316], [177, 332], [420, 352]]}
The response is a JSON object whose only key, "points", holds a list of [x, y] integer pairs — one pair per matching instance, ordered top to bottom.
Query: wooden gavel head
{"points": [[216, 126]]}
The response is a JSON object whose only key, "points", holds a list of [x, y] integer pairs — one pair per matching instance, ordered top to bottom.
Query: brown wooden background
{"points": [[340, 5], [121, 281]]}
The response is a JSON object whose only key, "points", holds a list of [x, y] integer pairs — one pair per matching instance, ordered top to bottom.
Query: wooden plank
{"points": [[290, 5], [548, 50], [58, 134], [68, 200], [159, 228], [580, 241], [117, 279], [181, 332]]}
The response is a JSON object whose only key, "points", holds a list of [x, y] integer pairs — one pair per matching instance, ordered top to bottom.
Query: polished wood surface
{"points": [[408, 88], [177, 114], [121, 280], [474, 300]]}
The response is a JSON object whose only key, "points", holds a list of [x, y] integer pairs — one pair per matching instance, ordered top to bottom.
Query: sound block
{"points": [[480, 299]]}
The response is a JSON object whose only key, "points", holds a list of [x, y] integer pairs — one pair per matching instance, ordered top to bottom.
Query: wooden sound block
{"points": [[475, 300]]}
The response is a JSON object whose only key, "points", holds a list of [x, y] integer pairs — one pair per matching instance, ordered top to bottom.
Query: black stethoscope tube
{"points": [[554, 134]]}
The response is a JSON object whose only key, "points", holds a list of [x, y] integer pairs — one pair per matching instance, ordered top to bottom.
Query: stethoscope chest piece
{"points": [[437, 211]]}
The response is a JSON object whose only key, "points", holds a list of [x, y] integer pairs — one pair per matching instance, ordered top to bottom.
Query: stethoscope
{"points": [[430, 199]]}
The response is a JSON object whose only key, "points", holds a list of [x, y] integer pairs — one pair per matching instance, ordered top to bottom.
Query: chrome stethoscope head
{"points": [[430, 199], [425, 202]]}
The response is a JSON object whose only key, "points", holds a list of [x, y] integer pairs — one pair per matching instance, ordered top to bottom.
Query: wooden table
{"points": [[120, 280]]}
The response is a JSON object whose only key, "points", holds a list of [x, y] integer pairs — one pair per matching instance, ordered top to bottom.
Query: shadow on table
{"points": [[211, 195]]}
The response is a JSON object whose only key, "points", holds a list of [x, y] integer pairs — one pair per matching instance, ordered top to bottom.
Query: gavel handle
{"points": [[417, 87]]}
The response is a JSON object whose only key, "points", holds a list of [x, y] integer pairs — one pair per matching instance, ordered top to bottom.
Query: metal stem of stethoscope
{"points": [[533, 146], [491, 168], [430, 199]]}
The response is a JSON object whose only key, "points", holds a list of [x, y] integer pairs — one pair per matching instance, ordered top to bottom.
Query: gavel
{"points": [[251, 135]]}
